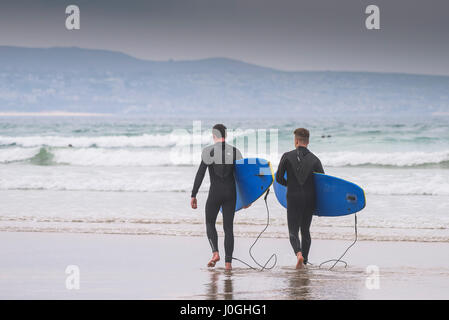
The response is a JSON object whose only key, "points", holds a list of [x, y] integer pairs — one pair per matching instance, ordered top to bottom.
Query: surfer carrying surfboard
{"points": [[219, 158], [299, 164]]}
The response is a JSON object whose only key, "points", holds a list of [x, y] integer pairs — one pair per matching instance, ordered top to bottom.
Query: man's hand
{"points": [[193, 203]]}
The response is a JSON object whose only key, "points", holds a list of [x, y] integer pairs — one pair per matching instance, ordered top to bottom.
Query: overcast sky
{"points": [[284, 34]]}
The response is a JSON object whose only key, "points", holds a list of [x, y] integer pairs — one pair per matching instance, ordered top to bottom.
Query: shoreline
{"points": [[165, 213], [220, 234]]}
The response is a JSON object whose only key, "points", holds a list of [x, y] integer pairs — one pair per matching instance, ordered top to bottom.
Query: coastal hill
{"points": [[72, 79]]}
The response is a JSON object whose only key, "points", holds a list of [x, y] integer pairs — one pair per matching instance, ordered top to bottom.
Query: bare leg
{"points": [[214, 260], [300, 262], [228, 266]]}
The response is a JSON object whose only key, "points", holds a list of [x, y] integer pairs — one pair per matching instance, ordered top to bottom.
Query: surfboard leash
{"points": [[339, 260], [262, 267]]}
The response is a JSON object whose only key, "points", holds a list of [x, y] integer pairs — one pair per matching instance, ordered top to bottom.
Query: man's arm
{"points": [[238, 154], [318, 167], [281, 171], [199, 178]]}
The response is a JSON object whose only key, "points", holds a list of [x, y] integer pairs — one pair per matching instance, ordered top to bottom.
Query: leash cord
{"points": [[339, 260], [262, 267]]}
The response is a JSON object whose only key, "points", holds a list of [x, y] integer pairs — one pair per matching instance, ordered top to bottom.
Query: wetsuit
{"points": [[219, 158], [299, 164]]}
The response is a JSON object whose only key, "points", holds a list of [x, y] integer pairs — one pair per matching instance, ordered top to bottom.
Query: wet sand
{"points": [[33, 266]]}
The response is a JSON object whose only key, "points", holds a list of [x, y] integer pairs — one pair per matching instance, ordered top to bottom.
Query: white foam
{"points": [[175, 138], [145, 140], [17, 154], [122, 157], [399, 159], [132, 179]]}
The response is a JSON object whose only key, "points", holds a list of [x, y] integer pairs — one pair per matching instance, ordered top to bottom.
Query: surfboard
{"points": [[253, 177], [334, 196]]}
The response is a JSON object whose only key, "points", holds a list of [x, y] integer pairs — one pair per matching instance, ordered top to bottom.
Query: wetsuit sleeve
{"points": [[238, 154], [318, 167], [281, 171], [199, 178]]}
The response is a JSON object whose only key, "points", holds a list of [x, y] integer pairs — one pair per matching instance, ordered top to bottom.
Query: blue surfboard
{"points": [[253, 177], [334, 196]]}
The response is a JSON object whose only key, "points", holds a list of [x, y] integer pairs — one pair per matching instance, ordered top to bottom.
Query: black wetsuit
{"points": [[219, 158], [299, 164]]}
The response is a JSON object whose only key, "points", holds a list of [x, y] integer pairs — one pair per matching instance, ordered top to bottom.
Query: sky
{"points": [[283, 34]]}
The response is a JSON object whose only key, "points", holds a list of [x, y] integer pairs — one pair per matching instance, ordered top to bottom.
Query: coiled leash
{"points": [[347, 249], [261, 267], [264, 267]]}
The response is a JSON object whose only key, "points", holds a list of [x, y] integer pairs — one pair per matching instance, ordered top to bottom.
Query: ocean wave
{"points": [[175, 138], [120, 141], [15, 154], [100, 156], [186, 156], [104, 157], [125, 157], [393, 159], [174, 181]]}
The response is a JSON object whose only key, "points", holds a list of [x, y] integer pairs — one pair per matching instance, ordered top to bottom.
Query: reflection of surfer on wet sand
{"points": [[298, 284], [212, 286], [228, 288]]}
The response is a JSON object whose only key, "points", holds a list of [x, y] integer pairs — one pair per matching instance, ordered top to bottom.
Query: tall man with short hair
{"points": [[219, 158], [299, 164]]}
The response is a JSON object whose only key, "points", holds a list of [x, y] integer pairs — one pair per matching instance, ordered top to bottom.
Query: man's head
{"points": [[219, 132], [301, 137]]}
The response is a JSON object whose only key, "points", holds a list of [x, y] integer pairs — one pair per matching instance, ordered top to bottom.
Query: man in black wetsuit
{"points": [[219, 158], [299, 164]]}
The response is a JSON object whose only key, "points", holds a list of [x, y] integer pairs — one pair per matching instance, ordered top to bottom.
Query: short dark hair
{"points": [[219, 130], [302, 135]]}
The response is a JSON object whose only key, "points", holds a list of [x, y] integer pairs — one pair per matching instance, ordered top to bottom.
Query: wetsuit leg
{"points": [[212, 208], [293, 221], [305, 222], [228, 227]]}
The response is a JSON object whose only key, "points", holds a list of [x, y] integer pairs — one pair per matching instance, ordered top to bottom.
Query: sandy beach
{"points": [[33, 265]]}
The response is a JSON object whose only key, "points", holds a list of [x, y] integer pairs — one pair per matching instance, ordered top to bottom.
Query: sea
{"points": [[134, 175]]}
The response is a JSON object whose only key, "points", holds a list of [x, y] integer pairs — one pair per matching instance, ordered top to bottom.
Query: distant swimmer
{"points": [[70, 146], [219, 158], [299, 164]]}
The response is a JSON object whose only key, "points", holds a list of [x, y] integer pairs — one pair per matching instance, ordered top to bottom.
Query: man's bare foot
{"points": [[214, 260], [300, 262], [228, 266]]}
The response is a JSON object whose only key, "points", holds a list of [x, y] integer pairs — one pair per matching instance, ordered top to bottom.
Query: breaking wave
{"points": [[182, 156]]}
